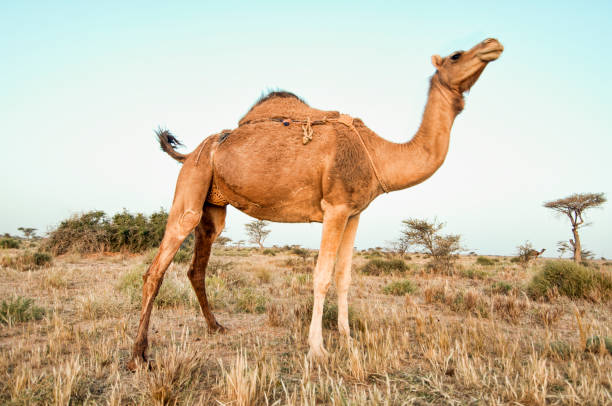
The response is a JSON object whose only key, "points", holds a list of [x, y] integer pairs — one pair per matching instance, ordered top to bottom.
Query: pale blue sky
{"points": [[83, 85]]}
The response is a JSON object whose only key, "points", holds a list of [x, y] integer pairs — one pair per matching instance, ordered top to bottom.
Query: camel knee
{"points": [[188, 221], [321, 287]]}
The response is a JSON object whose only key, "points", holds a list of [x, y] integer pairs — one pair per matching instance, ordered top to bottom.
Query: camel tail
{"points": [[168, 143]]}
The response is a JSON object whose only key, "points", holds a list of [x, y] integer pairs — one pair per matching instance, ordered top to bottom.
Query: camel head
{"points": [[461, 69]]}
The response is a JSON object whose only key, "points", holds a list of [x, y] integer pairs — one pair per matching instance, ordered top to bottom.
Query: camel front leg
{"points": [[334, 223], [343, 274]]}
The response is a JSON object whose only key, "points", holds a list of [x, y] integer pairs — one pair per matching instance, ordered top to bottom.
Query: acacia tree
{"points": [[573, 207], [28, 232], [257, 232], [222, 240], [400, 246], [562, 248], [444, 250]]}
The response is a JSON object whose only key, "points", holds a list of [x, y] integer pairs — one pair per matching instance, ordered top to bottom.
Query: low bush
{"points": [[94, 231], [9, 242], [269, 251], [301, 252], [182, 256], [27, 261], [484, 261], [216, 266], [377, 267], [474, 274], [263, 275], [572, 280], [399, 288], [501, 288], [171, 293], [249, 301], [458, 301], [509, 308], [19, 309], [303, 315], [594, 344]]}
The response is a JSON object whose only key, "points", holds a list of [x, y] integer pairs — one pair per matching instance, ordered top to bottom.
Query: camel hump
{"points": [[284, 105]]}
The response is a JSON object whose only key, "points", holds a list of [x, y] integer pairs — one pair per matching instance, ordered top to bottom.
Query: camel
{"points": [[288, 162]]}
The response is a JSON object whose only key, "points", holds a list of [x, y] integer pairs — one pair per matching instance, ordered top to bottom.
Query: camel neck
{"points": [[410, 163]]}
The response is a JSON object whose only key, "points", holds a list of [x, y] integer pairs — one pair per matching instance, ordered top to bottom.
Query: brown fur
{"points": [[284, 105], [264, 169]]}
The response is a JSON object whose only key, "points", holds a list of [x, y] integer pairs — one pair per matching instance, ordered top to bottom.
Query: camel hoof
{"points": [[217, 328], [348, 340], [318, 354], [138, 362], [135, 363]]}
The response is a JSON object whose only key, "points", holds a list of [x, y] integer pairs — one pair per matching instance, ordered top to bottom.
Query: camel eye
{"points": [[456, 56]]}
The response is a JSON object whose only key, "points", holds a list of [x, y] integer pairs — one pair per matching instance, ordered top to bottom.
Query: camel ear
{"points": [[436, 61]]}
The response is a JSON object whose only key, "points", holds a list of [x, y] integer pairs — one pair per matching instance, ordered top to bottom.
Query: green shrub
{"points": [[94, 231], [83, 233], [8, 242], [269, 251], [301, 252], [182, 256], [515, 260], [27, 261], [484, 261], [216, 266], [377, 267], [474, 274], [571, 280], [399, 288], [501, 288], [170, 293], [249, 301], [19, 309], [303, 313], [593, 344], [561, 349]]}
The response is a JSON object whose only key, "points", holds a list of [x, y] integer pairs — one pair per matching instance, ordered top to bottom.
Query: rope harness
{"points": [[307, 130]]}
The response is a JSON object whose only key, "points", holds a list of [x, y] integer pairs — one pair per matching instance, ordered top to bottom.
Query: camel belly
{"points": [[267, 202]]}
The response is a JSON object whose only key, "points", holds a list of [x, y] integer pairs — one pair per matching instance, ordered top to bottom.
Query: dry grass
{"points": [[455, 340]]}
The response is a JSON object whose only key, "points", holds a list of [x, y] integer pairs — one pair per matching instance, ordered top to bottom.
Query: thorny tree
{"points": [[573, 207], [28, 232], [257, 232], [400, 246], [443, 249]]}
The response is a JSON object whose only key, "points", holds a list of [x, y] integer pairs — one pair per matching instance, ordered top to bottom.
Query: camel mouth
{"points": [[489, 55]]}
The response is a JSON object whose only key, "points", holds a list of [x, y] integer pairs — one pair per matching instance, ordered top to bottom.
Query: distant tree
{"points": [[573, 207], [28, 232], [257, 232], [222, 240], [239, 244], [400, 246], [563, 247], [443, 250], [301, 252]]}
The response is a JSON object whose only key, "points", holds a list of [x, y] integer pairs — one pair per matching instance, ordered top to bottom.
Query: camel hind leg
{"points": [[191, 191], [211, 225]]}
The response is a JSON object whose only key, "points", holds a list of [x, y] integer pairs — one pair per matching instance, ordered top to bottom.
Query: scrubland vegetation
{"points": [[487, 331]]}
